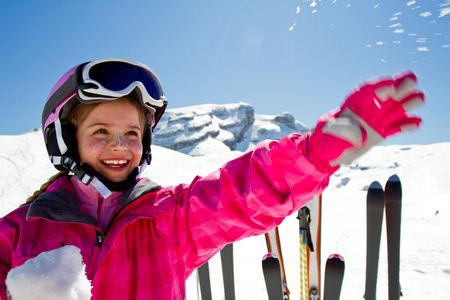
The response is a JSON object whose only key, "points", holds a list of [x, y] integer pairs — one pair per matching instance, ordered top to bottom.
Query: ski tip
{"points": [[394, 178], [375, 186], [270, 255], [336, 256]]}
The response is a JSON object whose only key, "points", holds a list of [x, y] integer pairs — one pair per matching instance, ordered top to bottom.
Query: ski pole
{"points": [[303, 215]]}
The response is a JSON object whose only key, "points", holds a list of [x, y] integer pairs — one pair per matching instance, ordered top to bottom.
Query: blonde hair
{"points": [[76, 118]]}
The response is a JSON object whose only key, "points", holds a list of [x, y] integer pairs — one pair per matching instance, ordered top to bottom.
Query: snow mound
{"points": [[52, 275]]}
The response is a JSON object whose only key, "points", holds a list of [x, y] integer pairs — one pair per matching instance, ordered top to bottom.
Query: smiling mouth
{"points": [[115, 163]]}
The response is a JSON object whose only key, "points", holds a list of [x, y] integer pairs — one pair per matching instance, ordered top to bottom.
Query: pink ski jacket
{"points": [[161, 235]]}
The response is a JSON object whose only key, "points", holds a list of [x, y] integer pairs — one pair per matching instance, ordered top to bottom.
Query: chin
{"points": [[117, 179]]}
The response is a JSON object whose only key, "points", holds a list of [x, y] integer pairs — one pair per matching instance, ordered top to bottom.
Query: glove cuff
{"points": [[321, 163]]}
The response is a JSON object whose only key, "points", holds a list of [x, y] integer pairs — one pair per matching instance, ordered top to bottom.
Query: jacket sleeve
{"points": [[248, 196], [5, 256]]}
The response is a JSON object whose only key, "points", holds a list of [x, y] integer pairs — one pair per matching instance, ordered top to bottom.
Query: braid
{"points": [[76, 117], [45, 186]]}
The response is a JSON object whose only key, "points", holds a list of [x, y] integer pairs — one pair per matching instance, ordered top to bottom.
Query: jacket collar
{"points": [[89, 195], [60, 204]]}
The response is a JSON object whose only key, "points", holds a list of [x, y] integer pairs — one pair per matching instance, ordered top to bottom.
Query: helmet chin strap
{"points": [[144, 165], [89, 176], [86, 178], [104, 183], [100, 187]]}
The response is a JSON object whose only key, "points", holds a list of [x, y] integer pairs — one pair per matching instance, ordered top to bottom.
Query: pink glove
{"points": [[371, 113]]}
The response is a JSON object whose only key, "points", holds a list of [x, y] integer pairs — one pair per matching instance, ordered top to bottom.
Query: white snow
{"points": [[425, 243], [52, 275]]}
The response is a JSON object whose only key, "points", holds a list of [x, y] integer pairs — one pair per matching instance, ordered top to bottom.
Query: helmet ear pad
{"points": [[69, 137], [146, 145]]}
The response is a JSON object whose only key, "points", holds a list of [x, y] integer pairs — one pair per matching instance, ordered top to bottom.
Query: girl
{"points": [[139, 240]]}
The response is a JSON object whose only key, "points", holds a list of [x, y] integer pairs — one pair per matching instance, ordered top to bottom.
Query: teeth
{"points": [[115, 162]]}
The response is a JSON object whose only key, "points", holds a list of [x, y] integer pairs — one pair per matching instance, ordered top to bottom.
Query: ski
{"points": [[393, 193], [375, 210], [315, 211], [304, 218], [309, 238], [274, 249], [226, 256], [334, 275], [273, 277], [205, 282]]}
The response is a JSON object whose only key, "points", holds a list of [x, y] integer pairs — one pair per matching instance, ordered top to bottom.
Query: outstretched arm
{"points": [[255, 192]]}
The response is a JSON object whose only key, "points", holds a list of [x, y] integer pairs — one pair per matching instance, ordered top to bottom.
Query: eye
{"points": [[101, 131], [133, 133]]}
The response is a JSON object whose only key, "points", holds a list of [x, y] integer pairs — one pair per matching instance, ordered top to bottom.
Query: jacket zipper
{"points": [[102, 235]]}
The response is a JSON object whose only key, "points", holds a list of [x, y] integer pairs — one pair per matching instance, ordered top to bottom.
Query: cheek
{"points": [[98, 146], [136, 147], [89, 149]]}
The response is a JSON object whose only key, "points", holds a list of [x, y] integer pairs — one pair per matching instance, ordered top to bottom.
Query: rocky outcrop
{"points": [[234, 125]]}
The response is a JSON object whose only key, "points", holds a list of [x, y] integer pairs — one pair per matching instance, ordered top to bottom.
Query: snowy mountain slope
{"points": [[24, 167], [423, 169]]}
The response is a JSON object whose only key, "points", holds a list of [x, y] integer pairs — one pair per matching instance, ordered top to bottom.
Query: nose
{"points": [[119, 143]]}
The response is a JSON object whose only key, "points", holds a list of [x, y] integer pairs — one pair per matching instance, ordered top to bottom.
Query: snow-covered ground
{"points": [[425, 242]]}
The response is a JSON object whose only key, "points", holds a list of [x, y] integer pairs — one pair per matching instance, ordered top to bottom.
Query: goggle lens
{"points": [[117, 76]]}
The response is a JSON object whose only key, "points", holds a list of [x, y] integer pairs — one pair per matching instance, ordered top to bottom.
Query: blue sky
{"points": [[298, 56]]}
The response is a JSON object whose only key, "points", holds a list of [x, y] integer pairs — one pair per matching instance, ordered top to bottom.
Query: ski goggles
{"points": [[109, 79]]}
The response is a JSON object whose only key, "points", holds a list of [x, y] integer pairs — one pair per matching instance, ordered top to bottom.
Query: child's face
{"points": [[110, 139]]}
